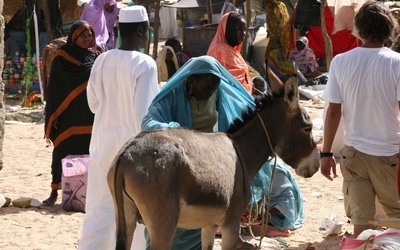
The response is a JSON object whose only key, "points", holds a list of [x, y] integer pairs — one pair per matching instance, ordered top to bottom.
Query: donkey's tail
{"points": [[115, 183], [125, 225]]}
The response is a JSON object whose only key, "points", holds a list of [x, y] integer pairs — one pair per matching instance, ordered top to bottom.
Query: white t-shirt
{"points": [[366, 81]]}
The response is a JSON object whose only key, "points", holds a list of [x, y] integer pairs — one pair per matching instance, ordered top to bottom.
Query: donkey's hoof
{"points": [[246, 246]]}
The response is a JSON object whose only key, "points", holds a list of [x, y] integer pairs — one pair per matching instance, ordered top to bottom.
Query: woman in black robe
{"points": [[69, 120]]}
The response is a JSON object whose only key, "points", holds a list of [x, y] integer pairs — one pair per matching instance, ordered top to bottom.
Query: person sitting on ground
{"points": [[180, 55], [305, 58], [167, 65], [286, 200]]}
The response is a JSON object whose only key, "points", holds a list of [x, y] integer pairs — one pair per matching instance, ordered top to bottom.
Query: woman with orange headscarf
{"points": [[226, 47]]}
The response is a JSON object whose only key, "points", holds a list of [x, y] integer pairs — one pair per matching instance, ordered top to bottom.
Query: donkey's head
{"points": [[291, 127]]}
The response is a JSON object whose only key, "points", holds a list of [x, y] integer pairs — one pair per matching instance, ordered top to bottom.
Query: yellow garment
{"points": [[278, 26], [162, 66], [279, 66], [253, 72], [204, 112]]}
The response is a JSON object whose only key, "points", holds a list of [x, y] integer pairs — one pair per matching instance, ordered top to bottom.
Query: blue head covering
{"points": [[170, 107]]}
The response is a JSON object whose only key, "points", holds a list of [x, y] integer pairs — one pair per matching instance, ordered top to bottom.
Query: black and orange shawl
{"points": [[67, 109]]}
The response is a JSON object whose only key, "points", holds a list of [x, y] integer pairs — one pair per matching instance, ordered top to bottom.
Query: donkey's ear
{"points": [[274, 83], [292, 93]]}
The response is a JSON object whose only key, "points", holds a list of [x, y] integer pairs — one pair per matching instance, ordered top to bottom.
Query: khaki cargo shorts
{"points": [[364, 177]]}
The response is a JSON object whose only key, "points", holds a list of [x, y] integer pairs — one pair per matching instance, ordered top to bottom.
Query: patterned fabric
{"points": [[278, 26], [48, 56], [305, 58], [281, 67]]}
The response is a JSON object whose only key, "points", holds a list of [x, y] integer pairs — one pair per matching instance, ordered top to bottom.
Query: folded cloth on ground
{"points": [[373, 239]]}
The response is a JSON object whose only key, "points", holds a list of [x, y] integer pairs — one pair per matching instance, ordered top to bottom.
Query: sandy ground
{"points": [[26, 173]]}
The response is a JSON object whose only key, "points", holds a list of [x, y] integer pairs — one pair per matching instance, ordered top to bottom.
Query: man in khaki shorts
{"points": [[364, 87], [365, 176]]}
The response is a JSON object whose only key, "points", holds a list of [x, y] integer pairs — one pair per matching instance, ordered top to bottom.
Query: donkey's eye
{"points": [[308, 129]]}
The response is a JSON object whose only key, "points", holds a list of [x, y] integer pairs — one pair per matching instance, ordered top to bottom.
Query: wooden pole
{"points": [[44, 4], [209, 11], [183, 13], [248, 19], [156, 22], [327, 39], [2, 96]]}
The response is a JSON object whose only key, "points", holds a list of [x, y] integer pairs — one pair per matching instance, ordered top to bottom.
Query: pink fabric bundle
{"points": [[74, 182], [373, 239]]}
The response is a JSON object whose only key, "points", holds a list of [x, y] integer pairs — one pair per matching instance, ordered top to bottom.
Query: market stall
{"points": [[31, 24]]}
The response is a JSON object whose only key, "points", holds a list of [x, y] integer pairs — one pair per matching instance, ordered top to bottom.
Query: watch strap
{"points": [[325, 154]]}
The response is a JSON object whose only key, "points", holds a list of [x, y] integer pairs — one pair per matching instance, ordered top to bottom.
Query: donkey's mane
{"points": [[247, 115]]}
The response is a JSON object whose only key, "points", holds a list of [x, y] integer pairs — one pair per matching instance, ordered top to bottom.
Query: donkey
{"points": [[188, 179]]}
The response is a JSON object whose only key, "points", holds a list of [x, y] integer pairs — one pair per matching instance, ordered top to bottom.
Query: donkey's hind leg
{"points": [[131, 213], [161, 225], [161, 237], [207, 237]]}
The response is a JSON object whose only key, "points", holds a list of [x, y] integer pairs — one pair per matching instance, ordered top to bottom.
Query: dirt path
{"points": [[26, 173]]}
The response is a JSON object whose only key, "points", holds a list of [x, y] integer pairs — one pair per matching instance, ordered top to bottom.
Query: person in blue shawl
{"points": [[202, 95], [170, 108], [286, 198]]}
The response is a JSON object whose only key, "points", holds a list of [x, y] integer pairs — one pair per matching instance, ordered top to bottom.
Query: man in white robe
{"points": [[122, 84]]}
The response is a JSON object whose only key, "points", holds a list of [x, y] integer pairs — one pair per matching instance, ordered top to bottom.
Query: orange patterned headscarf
{"points": [[77, 29], [229, 56]]}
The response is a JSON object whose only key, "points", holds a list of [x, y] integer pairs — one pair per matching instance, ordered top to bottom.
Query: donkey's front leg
{"points": [[207, 237]]}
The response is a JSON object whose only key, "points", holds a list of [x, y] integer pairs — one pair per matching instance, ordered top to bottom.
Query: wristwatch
{"points": [[325, 154]]}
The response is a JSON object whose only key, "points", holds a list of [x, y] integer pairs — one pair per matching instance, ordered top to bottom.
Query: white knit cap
{"points": [[133, 14], [304, 40]]}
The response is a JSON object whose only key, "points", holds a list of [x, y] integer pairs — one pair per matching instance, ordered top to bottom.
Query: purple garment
{"points": [[111, 17], [101, 21]]}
